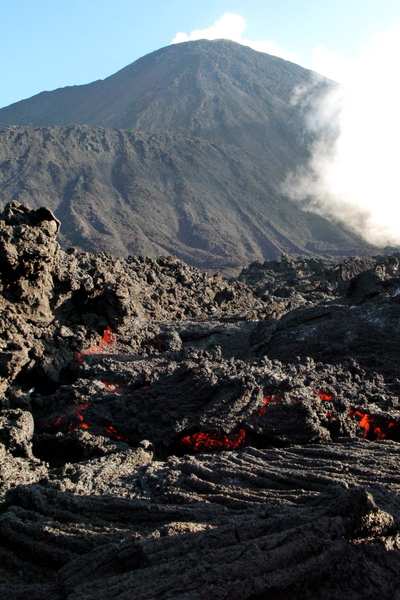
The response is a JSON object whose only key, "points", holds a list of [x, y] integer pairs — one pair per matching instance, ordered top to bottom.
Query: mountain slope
{"points": [[218, 90], [213, 134], [136, 193]]}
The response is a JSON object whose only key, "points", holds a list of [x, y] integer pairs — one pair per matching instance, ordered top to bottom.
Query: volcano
{"points": [[217, 90], [182, 152], [166, 433]]}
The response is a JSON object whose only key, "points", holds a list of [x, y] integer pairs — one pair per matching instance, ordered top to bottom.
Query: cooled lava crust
{"points": [[166, 433]]}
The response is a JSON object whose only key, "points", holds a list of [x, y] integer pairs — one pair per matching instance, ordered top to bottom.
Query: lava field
{"points": [[166, 433]]}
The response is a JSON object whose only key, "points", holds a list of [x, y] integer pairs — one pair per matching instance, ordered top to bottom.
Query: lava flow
{"points": [[106, 343], [115, 388], [324, 396], [267, 400], [74, 416], [76, 420], [368, 423], [371, 429], [113, 433], [214, 441]]}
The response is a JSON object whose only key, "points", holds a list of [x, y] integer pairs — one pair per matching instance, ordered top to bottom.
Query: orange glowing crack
{"points": [[106, 344], [114, 387], [324, 396], [267, 400], [74, 416], [76, 420], [369, 425], [113, 433], [214, 441]]}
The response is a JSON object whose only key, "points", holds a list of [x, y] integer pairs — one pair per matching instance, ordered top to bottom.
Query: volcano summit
{"points": [[182, 152]]}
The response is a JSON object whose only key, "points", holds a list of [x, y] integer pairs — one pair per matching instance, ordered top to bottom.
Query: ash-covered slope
{"points": [[218, 90], [219, 133], [150, 194], [208, 444]]}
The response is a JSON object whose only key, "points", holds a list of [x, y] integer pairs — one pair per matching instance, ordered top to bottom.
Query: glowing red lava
{"points": [[106, 344], [114, 387], [326, 398], [263, 409], [74, 417], [76, 420], [368, 423], [372, 430], [113, 433], [214, 441]]}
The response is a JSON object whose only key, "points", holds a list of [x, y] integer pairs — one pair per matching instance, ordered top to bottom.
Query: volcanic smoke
{"points": [[352, 174]]}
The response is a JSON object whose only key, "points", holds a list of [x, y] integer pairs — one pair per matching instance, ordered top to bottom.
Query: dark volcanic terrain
{"points": [[217, 90], [183, 152], [151, 194], [166, 433]]}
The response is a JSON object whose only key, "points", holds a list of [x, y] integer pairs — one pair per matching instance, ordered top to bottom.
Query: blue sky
{"points": [[46, 44]]}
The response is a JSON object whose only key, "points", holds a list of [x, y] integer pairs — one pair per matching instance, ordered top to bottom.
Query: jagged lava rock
{"points": [[191, 436]]}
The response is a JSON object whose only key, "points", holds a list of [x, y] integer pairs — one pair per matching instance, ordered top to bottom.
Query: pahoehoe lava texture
{"points": [[165, 433]]}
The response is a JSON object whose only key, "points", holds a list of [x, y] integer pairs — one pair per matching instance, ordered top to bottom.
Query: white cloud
{"points": [[231, 27], [330, 64], [355, 179]]}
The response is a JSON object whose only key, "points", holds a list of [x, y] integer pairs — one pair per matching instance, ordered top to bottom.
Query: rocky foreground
{"points": [[165, 433]]}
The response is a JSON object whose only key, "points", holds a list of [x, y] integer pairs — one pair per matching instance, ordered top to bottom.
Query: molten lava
{"points": [[106, 344], [115, 388], [324, 396], [263, 409], [74, 417], [76, 420], [368, 423], [372, 430], [113, 433], [214, 441]]}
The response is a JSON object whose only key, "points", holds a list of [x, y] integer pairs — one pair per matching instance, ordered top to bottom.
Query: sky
{"points": [[47, 44]]}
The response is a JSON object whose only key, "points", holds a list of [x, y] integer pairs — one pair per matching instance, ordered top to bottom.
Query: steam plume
{"points": [[353, 173]]}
